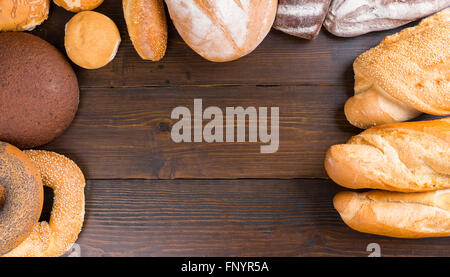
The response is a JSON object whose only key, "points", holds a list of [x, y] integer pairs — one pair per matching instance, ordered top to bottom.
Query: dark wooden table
{"points": [[148, 196]]}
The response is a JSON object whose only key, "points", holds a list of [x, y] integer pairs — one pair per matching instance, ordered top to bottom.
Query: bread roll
{"points": [[78, 5], [22, 15], [301, 18], [349, 18], [147, 27], [222, 30], [92, 39], [407, 74], [405, 157], [396, 214]]}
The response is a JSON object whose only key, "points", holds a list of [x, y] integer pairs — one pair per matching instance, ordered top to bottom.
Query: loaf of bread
{"points": [[78, 5], [22, 15], [301, 18], [349, 18], [147, 27], [222, 30], [407, 74], [405, 157], [396, 214]]}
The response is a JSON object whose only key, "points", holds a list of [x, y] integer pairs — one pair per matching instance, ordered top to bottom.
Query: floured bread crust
{"points": [[222, 30]]}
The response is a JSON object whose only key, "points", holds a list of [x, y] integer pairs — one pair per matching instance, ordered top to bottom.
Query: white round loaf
{"points": [[222, 30]]}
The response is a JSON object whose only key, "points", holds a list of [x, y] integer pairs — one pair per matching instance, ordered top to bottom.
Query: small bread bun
{"points": [[78, 5], [22, 15], [147, 27], [91, 40]]}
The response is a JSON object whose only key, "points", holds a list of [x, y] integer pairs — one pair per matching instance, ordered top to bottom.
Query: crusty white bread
{"points": [[22, 15], [349, 18], [147, 27], [222, 30], [407, 74], [405, 157], [396, 214]]}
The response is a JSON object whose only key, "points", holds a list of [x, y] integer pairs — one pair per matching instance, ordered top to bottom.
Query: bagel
{"points": [[21, 196], [54, 238]]}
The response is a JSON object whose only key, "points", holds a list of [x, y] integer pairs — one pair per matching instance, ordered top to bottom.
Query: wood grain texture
{"points": [[280, 59], [122, 131], [125, 133], [228, 218]]}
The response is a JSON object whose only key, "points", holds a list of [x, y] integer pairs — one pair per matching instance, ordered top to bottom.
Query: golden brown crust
{"points": [[78, 5], [22, 15], [147, 27], [222, 31], [91, 40], [406, 74], [406, 157], [24, 197], [395, 214], [54, 238]]}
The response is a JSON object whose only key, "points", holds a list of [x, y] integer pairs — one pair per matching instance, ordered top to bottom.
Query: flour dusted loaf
{"points": [[22, 15], [301, 18], [349, 18], [222, 30], [407, 74], [405, 157], [396, 214]]}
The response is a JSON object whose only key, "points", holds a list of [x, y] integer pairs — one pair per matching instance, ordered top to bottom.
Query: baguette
{"points": [[147, 27], [406, 75], [405, 157], [396, 214]]}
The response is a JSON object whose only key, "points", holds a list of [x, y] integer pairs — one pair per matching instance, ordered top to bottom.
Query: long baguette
{"points": [[406, 157], [395, 214]]}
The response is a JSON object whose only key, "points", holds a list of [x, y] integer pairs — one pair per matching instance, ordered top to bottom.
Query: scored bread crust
{"points": [[78, 5], [22, 15], [147, 27], [222, 30], [406, 74], [406, 157], [396, 214]]}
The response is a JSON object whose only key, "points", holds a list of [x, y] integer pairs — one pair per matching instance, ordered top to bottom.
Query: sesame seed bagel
{"points": [[21, 197], [54, 238]]}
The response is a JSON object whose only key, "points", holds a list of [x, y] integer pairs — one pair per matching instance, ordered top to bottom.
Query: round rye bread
{"points": [[39, 92]]}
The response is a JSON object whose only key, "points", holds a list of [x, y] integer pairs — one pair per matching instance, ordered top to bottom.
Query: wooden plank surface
{"points": [[280, 59], [128, 130], [121, 140], [228, 218]]}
